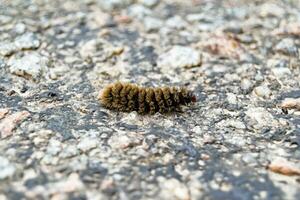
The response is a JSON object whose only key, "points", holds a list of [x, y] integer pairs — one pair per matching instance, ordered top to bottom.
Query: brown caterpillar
{"points": [[128, 97]]}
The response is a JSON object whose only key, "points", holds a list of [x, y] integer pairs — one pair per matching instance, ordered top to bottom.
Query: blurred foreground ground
{"points": [[240, 57]]}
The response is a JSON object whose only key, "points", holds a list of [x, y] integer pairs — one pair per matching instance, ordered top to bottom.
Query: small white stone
{"points": [[149, 3], [110, 5], [271, 9], [139, 11], [195, 17], [4, 18], [176, 22], [152, 24], [205, 27], [20, 28], [27, 41], [287, 46], [7, 48], [88, 49], [179, 57], [274, 63], [2, 64], [32, 64], [219, 68], [281, 71], [231, 77], [259, 77], [246, 84], [262, 91], [231, 98], [261, 117], [133, 118], [236, 124], [197, 130], [235, 139], [123, 140], [120, 141], [87, 144], [54, 147], [69, 151], [250, 158], [79, 163], [6, 168], [71, 184], [173, 189], [263, 194], [3, 197]]}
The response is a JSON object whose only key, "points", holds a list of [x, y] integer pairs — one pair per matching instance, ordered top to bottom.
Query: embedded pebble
{"points": [[149, 3], [110, 5], [271, 9], [139, 11], [195, 17], [4, 19], [176, 22], [152, 24], [20, 28], [289, 28], [27, 41], [23, 42], [226, 46], [287, 46], [7, 48], [88, 49], [179, 57], [239, 58], [2, 63], [277, 63], [33, 65], [281, 72], [246, 85], [262, 91], [232, 99], [291, 103], [3, 112], [261, 117], [133, 118], [9, 123], [235, 124], [236, 139], [123, 141], [86, 144], [54, 147], [69, 151], [250, 158], [282, 166], [7, 169], [71, 184], [172, 188]]}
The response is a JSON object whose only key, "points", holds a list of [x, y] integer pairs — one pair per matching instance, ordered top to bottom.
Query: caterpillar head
{"points": [[188, 96], [192, 96]]}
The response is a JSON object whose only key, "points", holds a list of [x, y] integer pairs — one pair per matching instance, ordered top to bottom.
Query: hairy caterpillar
{"points": [[128, 97]]}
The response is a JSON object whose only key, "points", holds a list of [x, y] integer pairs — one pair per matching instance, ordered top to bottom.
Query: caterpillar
{"points": [[127, 97]]}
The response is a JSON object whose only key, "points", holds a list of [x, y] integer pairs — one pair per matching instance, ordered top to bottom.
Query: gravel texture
{"points": [[240, 140]]}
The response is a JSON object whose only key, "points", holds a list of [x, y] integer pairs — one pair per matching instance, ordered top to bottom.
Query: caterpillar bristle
{"points": [[127, 97]]}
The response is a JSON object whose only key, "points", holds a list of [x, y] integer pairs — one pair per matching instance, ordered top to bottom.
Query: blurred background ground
{"points": [[239, 141]]}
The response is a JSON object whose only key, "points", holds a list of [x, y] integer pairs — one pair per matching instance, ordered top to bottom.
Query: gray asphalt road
{"points": [[239, 141]]}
